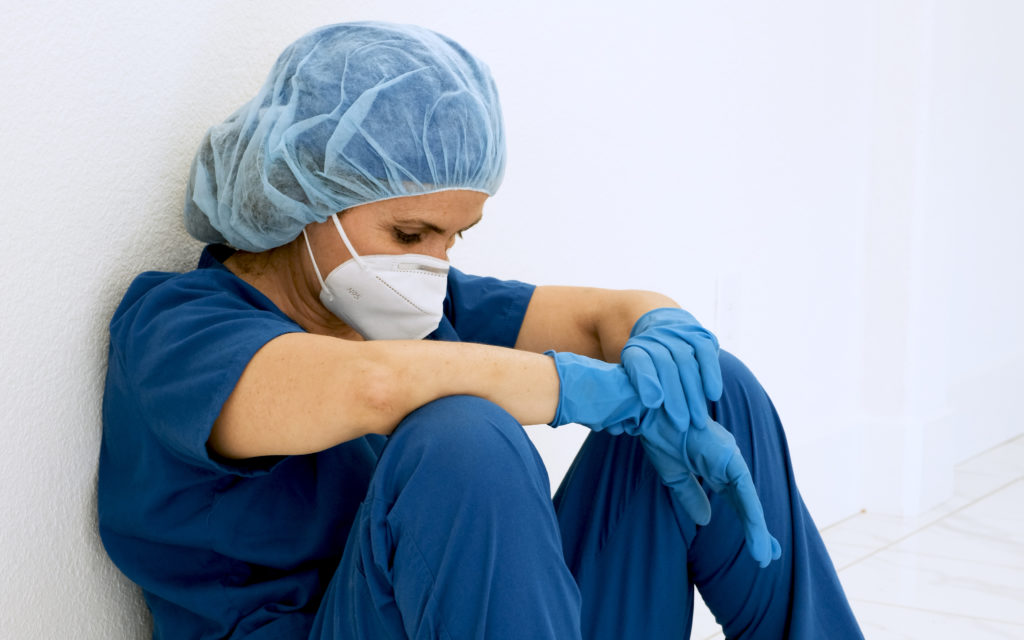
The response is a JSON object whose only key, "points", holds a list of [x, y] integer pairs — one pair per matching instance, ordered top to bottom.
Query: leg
{"points": [[457, 537], [626, 543], [636, 554], [797, 597]]}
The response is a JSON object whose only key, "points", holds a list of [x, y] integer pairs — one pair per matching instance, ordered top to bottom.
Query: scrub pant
{"points": [[458, 539]]}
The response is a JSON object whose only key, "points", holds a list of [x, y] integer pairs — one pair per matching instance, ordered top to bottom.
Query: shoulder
{"points": [[156, 292], [169, 306], [484, 309]]}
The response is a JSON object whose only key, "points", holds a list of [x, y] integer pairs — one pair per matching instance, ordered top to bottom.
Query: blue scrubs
{"points": [[443, 530]]}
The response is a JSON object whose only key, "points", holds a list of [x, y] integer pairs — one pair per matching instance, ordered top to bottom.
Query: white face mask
{"points": [[385, 297]]}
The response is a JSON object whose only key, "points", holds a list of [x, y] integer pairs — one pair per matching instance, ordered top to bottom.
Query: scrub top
{"points": [[225, 547]]}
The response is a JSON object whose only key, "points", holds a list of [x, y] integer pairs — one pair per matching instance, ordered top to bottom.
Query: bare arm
{"points": [[589, 321], [303, 393]]}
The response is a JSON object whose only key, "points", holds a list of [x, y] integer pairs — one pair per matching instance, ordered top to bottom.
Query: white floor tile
{"points": [[1006, 460], [971, 485], [1004, 509], [873, 531], [857, 537], [843, 555], [970, 564], [956, 571], [919, 581], [887, 622]]}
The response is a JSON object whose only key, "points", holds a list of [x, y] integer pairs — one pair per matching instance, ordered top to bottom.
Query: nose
{"points": [[440, 249], [437, 250]]}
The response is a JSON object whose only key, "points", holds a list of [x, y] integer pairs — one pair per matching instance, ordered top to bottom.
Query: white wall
{"points": [[976, 169], [834, 188]]}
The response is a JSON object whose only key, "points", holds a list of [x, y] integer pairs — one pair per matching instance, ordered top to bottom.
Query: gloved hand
{"points": [[668, 347], [596, 394], [601, 396], [712, 454]]}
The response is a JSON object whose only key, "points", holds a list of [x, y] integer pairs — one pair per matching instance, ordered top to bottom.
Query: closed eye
{"points": [[407, 238]]}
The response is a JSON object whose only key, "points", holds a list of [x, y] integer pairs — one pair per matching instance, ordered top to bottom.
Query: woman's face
{"points": [[427, 224]]}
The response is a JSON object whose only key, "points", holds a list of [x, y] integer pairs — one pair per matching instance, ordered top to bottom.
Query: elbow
{"points": [[378, 398]]}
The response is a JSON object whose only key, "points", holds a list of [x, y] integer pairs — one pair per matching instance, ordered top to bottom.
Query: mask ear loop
{"points": [[348, 245], [323, 285]]}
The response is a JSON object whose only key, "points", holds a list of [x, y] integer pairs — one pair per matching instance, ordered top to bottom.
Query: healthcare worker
{"points": [[317, 432]]}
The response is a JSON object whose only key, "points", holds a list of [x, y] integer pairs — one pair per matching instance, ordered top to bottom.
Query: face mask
{"points": [[385, 297]]}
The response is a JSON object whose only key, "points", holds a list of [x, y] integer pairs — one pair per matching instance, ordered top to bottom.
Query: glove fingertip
{"points": [[713, 389], [694, 502], [701, 513], [761, 553], [764, 557]]}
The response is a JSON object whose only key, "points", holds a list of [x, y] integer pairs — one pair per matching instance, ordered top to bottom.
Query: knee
{"points": [[738, 382], [744, 402], [745, 408], [462, 441]]}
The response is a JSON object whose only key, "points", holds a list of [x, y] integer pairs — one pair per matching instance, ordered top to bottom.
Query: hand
{"points": [[667, 348], [596, 394], [601, 396], [712, 454]]}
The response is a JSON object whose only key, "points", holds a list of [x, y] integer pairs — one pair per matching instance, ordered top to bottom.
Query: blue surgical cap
{"points": [[350, 114]]}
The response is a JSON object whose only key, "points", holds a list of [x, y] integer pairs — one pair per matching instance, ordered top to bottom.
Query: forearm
{"points": [[524, 384], [303, 393]]}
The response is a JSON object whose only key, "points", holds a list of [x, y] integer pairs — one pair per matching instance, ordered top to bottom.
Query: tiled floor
{"points": [[954, 572]]}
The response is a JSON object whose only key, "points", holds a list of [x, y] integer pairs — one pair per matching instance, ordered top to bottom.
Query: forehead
{"points": [[442, 209]]}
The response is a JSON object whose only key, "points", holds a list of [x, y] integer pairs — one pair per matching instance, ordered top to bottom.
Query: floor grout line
{"points": [[1010, 442], [844, 520], [918, 530], [872, 552], [937, 612]]}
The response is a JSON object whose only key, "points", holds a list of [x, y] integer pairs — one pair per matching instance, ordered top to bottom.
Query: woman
{"points": [[284, 457]]}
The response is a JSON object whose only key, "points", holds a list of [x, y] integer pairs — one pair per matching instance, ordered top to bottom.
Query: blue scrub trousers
{"points": [[458, 539]]}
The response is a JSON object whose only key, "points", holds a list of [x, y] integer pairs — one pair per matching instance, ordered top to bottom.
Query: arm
{"points": [[588, 321], [598, 323], [302, 393]]}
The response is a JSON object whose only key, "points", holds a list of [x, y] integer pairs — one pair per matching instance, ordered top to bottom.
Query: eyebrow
{"points": [[433, 227]]}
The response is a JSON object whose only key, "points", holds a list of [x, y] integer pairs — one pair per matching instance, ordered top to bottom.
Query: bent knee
{"points": [[736, 377], [744, 407], [467, 421], [467, 438]]}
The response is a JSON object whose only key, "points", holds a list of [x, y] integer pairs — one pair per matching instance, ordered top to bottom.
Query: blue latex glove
{"points": [[667, 349], [596, 394], [601, 396], [710, 453]]}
